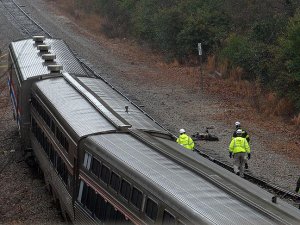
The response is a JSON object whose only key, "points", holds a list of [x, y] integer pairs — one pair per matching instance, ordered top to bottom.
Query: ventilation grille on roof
{"points": [[43, 48], [49, 57], [55, 68]]}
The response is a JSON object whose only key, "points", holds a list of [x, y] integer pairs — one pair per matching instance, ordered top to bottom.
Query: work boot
{"points": [[246, 166]]}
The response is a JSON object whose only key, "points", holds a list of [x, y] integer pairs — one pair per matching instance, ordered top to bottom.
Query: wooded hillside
{"points": [[261, 38]]}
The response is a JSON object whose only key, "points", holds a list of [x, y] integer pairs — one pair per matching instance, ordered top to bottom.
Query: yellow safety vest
{"points": [[186, 141], [239, 144]]}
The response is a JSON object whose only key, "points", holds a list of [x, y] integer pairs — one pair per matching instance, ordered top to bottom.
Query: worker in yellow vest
{"points": [[244, 135], [185, 140], [238, 149]]}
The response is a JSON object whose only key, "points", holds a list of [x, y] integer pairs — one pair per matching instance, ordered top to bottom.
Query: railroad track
{"points": [[22, 19], [30, 27], [277, 191]]}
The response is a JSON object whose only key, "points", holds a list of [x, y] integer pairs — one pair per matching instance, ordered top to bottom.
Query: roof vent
{"points": [[38, 39], [44, 48], [49, 57], [55, 68]]}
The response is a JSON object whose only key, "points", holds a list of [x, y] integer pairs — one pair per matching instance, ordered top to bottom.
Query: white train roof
{"points": [[27, 55], [86, 106]]}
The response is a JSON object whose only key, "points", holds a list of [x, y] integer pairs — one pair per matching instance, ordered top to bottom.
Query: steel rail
{"points": [[29, 25]]}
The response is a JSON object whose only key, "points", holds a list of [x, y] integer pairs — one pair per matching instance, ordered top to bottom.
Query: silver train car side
{"points": [[107, 162]]}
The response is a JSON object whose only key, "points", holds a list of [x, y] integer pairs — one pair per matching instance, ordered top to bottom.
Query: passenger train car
{"points": [[107, 162]]}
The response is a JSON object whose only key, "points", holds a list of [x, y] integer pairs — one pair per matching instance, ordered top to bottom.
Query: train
{"points": [[106, 161]]}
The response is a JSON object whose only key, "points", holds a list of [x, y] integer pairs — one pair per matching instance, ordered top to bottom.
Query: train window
{"points": [[33, 101], [46, 118], [33, 126], [52, 126], [39, 134], [58, 134], [42, 139], [62, 139], [66, 145], [46, 146], [50, 149], [51, 155], [55, 159], [87, 160], [59, 165], [96, 167], [62, 169], [65, 174], [105, 174], [115, 181], [69, 182], [125, 189], [80, 191], [84, 194], [136, 198], [91, 200], [100, 207], [151, 209], [111, 213], [120, 218], [168, 218]]}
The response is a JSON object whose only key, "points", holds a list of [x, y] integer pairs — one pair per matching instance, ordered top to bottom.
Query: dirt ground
{"points": [[170, 93]]}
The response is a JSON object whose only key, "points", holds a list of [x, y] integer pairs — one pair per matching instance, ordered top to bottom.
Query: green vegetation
{"points": [[261, 37]]}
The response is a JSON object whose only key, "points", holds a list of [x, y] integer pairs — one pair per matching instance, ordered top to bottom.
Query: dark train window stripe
{"points": [[47, 119], [53, 156], [96, 166], [105, 174], [115, 181], [125, 189], [84, 194], [136, 198], [91, 200], [100, 208], [151, 209], [168, 218]]}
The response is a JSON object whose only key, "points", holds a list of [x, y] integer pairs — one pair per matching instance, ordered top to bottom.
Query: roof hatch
{"points": [[38, 39]]}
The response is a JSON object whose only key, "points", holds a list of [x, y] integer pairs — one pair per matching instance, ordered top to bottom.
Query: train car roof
{"points": [[28, 58], [75, 113], [80, 116], [135, 117], [196, 197]]}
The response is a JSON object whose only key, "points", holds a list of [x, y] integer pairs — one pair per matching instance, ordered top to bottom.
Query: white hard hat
{"points": [[237, 123], [181, 131], [239, 131]]}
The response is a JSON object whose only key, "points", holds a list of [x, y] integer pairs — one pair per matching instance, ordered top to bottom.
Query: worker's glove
{"points": [[230, 154], [249, 155]]}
